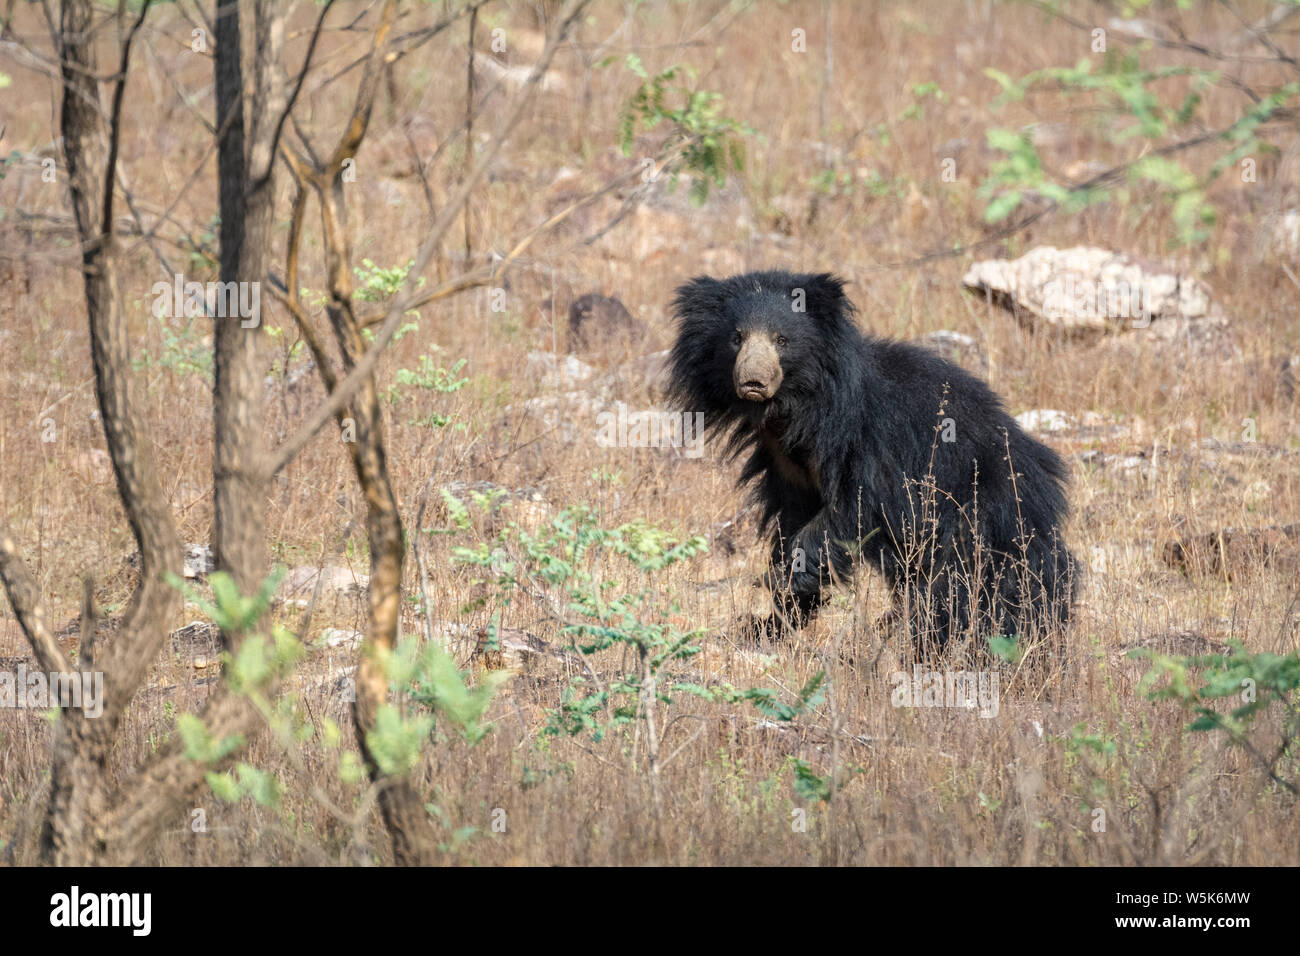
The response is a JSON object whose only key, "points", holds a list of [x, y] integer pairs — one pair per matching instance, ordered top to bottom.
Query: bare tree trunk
{"points": [[245, 166], [78, 794], [408, 822]]}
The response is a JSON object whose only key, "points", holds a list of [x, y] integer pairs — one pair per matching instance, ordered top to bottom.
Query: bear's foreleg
{"points": [[805, 565]]}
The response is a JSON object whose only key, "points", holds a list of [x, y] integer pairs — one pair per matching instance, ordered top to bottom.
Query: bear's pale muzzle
{"points": [[757, 374]]}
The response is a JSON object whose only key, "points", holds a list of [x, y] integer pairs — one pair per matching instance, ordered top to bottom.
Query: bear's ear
{"points": [[702, 295], [826, 298]]}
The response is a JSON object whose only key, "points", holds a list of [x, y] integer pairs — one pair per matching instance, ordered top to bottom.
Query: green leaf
{"points": [[1010, 90], [1008, 141], [1002, 206], [1006, 648], [251, 668], [697, 689], [813, 693], [330, 733], [396, 742], [199, 745], [350, 769], [807, 784], [261, 785], [224, 786]]}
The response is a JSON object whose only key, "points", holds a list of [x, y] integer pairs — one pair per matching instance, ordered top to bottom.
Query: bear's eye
{"points": [[736, 337], [780, 340]]}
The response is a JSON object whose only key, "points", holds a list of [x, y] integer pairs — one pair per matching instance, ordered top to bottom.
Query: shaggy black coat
{"points": [[880, 449]]}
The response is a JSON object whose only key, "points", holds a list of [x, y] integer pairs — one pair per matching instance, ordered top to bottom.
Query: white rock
{"points": [[1283, 231], [1088, 291], [568, 370], [1044, 420], [198, 561], [301, 581], [337, 637]]}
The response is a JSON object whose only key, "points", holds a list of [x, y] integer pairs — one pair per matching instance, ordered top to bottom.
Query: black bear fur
{"points": [[875, 448]]}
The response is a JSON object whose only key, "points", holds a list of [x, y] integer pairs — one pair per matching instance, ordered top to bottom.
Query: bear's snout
{"points": [[757, 373]]}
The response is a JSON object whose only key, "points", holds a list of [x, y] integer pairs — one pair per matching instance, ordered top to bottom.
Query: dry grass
{"points": [[915, 786]]}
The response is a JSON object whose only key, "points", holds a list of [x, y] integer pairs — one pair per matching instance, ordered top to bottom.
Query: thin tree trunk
{"points": [[245, 171], [78, 776]]}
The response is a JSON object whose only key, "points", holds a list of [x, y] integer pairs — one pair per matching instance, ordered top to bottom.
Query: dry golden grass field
{"points": [[864, 157]]}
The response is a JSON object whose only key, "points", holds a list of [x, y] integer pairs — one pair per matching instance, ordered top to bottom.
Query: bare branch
{"points": [[297, 88], [401, 302], [26, 601]]}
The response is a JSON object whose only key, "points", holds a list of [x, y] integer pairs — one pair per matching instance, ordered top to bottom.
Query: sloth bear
{"points": [[858, 446]]}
